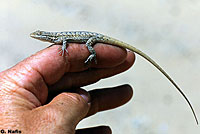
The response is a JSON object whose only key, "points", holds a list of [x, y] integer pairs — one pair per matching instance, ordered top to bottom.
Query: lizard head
{"points": [[43, 36]]}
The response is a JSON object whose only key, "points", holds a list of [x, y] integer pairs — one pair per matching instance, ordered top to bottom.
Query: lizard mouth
{"points": [[37, 36]]}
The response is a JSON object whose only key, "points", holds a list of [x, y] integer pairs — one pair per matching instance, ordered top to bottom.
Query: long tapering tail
{"points": [[133, 49]]}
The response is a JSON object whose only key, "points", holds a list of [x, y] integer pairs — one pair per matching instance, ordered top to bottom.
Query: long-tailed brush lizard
{"points": [[90, 38]]}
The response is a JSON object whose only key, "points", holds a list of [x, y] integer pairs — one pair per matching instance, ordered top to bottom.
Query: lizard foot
{"points": [[62, 51], [90, 58]]}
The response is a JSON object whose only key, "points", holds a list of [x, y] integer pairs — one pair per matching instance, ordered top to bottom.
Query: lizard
{"points": [[90, 39]]}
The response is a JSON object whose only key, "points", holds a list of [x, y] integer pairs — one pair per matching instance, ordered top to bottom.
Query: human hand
{"points": [[42, 94]]}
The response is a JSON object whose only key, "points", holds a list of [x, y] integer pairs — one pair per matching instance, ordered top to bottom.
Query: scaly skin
{"points": [[90, 38]]}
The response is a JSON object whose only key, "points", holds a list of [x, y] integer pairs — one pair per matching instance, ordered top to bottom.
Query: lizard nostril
{"points": [[32, 35]]}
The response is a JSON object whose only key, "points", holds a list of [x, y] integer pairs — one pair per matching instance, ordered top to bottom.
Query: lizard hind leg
{"points": [[91, 41]]}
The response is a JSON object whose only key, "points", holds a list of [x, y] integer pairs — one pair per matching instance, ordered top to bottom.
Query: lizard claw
{"points": [[62, 51]]}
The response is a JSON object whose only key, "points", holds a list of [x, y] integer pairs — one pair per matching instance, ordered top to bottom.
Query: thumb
{"points": [[73, 107], [64, 112]]}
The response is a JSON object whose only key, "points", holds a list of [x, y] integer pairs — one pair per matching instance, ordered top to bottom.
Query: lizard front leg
{"points": [[91, 41], [63, 49]]}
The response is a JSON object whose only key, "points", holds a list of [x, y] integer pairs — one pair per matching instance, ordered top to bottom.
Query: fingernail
{"points": [[85, 95]]}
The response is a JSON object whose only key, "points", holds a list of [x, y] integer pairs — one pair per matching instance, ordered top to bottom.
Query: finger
{"points": [[49, 63], [47, 66], [71, 80], [109, 98], [63, 113], [95, 130]]}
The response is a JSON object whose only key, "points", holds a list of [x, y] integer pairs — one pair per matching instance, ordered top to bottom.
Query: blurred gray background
{"points": [[167, 30]]}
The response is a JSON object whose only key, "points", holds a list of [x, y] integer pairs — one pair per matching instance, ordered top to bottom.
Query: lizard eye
{"points": [[38, 32]]}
